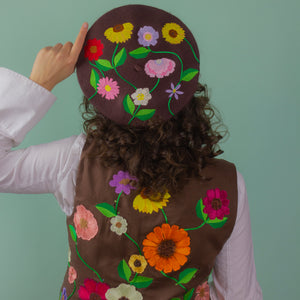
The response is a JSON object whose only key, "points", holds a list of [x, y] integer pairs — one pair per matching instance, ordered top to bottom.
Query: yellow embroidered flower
{"points": [[119, 33], [173, 33], [147, 204], [137, 263]]}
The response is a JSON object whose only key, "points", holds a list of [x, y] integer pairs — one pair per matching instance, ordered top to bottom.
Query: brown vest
{"points": [[160, 254]]}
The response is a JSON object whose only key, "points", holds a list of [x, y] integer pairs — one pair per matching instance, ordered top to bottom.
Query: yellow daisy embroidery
{"points": [[119, 33], [173, 33], [147, 204], [137, 263]]}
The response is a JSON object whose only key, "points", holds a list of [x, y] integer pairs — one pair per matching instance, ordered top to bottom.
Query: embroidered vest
{"points": [[125, 246]]}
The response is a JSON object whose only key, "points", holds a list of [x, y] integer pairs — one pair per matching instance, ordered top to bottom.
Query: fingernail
{"points": [[85, 25]]}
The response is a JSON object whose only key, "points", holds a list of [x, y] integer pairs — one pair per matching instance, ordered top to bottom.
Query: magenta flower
{"points": [[148, 36], [160, 67], [108, 88], [174, 91], [122, 182], [216, 204], [92, 289], [202, 292], [64, 294]]}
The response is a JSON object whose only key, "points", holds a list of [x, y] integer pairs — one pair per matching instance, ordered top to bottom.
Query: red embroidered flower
{"points": [[93, 49], [216, 204], [91, 289]]}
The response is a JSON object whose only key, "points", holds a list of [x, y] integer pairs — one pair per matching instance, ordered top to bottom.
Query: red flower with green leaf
{"points": [[93, 49]]}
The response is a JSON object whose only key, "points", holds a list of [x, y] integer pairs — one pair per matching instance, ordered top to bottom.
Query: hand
{"points": [[54, 64]]}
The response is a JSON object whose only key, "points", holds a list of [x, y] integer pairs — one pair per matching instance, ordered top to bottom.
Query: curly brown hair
{"points": [[162, 155]]}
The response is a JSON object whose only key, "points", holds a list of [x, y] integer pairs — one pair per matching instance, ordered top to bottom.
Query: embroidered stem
{"points": [[192, 50], [112, 62], [97, 68], [155, 85], [92, 96], [169, 106], [134, 114], [117, 202], [165, 216], [195, 228], [134, 242], [87, 264], [174, 279], [133, 280], [73, 290]]}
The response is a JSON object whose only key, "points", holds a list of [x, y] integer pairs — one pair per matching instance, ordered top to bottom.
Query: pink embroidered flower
{"points": [[148, 36], [160, 67], [108, 88], [174, 91], [122, 182], [216, 204], [85, 223], [72, 275], [92, 290], [202, 292]]}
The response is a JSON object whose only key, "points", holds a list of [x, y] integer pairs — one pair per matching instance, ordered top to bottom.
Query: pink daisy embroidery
{"points": [[160, 67], [108, 88], [85, 223], [72, 275], [202, 292]]}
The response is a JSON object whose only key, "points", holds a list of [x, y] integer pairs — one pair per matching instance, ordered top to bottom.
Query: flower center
{"points": [[118, 28], [173, 33], [148, 36], [93, 49], [158, 61], [107, 88], [174, 91], [140, 97], [125, 181], [216, 204], [83, 223], [118, 224], [166, 248], [137, 263], [201, 293], [94, 296], [123, 298]]}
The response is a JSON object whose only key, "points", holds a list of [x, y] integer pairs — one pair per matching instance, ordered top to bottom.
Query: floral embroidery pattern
{"points": [[120, 33], [173, 33], [147, 36], [93, 49], [160, 67], [108, 88], [174, 91], [141, 96], [122, 182], [147, 204], [216, 204], [85, 223], [118, 225], [166, 248], [137, 263], [72, 275], [92, 289], [123, 291], [202, 292], [64, 294]]}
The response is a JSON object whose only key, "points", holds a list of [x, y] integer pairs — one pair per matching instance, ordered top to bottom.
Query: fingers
{"points": [[75, 51]]}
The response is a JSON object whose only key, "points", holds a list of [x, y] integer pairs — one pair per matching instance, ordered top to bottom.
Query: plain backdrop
{"points": [[249, 60]]}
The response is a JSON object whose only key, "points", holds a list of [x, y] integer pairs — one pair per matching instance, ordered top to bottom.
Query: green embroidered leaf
{"points": [[140, 53], [120, 58], [104, 64], [189, 74], [94, 78], [128, 105], [145, 114], [106, 209], [199, 210], [216, 223], [73, 233], [124, 270], [186, 275], [141, 282], [188, 295]]}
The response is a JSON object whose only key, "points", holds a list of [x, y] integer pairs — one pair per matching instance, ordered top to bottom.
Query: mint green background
{"points": [[249, 59]]}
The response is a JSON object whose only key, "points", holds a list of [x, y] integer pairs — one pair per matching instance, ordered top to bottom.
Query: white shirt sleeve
{"points": [[45, 168], [234, 273]]}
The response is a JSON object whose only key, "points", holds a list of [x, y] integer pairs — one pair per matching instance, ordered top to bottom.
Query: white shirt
{"points": [[52, 168]]}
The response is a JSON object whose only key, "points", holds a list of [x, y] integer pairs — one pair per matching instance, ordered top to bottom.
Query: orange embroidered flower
{"points": [[166, 248]]}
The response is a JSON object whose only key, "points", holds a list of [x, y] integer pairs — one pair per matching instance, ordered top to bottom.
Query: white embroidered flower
{"points": [[141, 96], [118, 225], [69, 255], [123, 291]]}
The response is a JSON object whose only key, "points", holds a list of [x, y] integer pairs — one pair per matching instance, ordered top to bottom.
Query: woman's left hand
{"points": [[54, 64]]}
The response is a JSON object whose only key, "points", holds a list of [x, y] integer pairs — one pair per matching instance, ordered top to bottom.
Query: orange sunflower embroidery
{"points": [[166, 248]]}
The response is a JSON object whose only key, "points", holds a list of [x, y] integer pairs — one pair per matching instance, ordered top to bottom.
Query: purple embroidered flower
{"points": [[148, 36], [160, 67], [174, 91], [122, 182], [64, 294]]}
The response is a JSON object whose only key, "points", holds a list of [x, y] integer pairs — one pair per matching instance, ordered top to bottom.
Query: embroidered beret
{"points": [[138, 62]]}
